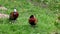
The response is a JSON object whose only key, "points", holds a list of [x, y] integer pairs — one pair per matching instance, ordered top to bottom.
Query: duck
{"points": [[13, 15], [32, 20]]}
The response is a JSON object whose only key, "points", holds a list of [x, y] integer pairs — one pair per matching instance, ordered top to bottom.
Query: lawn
{"points": [[46, 18]]}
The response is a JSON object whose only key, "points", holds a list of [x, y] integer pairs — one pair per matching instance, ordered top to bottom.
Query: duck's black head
{"points": [[31, 16]]}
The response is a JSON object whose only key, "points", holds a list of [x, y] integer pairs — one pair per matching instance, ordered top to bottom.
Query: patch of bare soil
{"points": [[40, 4], [3, 8], [4, 16]]}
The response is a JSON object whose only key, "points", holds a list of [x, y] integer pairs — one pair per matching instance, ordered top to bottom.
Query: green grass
{"points": [[46, 18]]}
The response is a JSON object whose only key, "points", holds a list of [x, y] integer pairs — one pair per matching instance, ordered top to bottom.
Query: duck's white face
{"points": [[15, 10]]}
